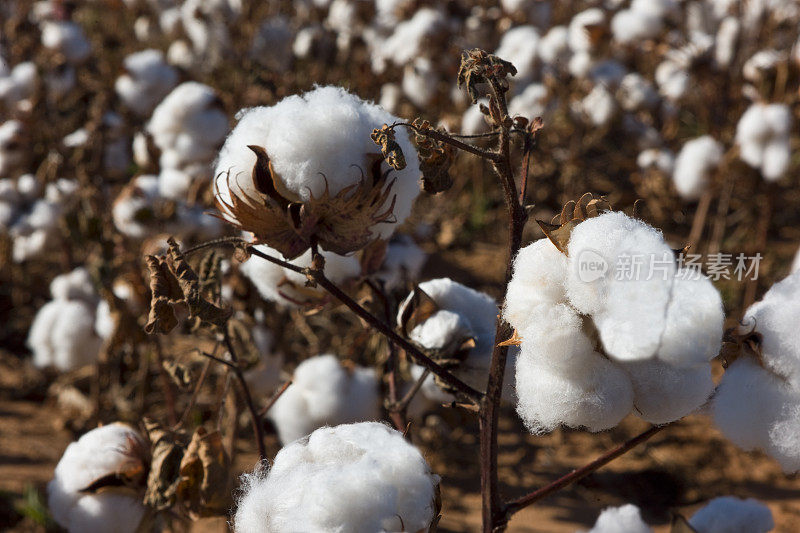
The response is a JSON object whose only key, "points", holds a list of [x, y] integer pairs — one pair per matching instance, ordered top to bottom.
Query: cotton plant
{"points": [[146, 80], [763, 138], [695, 165], [340, 194], [456, 324], [63, 334], [600, 341], [324, 392], [757, 404], [115, 452], [362, 477]]}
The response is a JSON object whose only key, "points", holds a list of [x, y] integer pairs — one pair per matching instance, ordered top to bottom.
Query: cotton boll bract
{"points": [[146, 81], [694, 165], [323, 392], [112, 449], [360, 477], [728, 514], [623, 519]]}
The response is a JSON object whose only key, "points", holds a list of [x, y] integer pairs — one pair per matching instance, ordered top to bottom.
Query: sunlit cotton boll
{"points": [[583, 28], [67, 38], [409, 39], [726, 41], [519, 46], [554, 48], [672, 79], [420, 80], [146, 81], [18, 85], [635, 92], [530, 103], [599, 106], [473, 122], [188, 126], [763, 137], [319, 143], [661, 159], [695, 163], [402, 264], [277, 284], [776, 318], [324, 392], [756, 409], [113, 449], [359, 478], [729, 514], [623, 519]]}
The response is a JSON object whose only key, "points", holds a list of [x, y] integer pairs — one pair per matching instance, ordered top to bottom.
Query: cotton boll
{"points": [[630, 26], [582, 29], [410, 37], [67, 38], [725, 43], [272, 44], [519, 46], [554, 46], [181, 55], [761, 63], [580, 64], [672, 79], [147, 80], [420, 80], [18, 85], [635, 92], [390, 97], [530, 103], [599, 106], [473, 122], [338, 126], [763, 137], [77, 138], [662, 159], [694, 165], [174, 184], [134, 209], [403, 263], [540, 271], [277, 284], [75, 285], [776, 317], [693, 333], [62, 335], [265, 377], [323, 392], [663, 393], [755, 409], [112, 449], [361, 478], [728, 514], [623, 519]]}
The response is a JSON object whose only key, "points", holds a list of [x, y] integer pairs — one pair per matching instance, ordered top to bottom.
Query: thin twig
{"points": [[442, 137], [217, 359], [196, 391], [274, 398], [402, 405], [576, 475]]}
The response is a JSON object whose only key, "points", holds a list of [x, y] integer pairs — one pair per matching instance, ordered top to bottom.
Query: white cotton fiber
{"points": [[630, 26], [579, 29], [67, 38], [409, 38], [519, 46], [553, 47], [147, 79], [672, 79], [420, 81], [18, 85], [636, 92], [530, 103], [599, 106], [473, 122], [763, 137], [314, 140], [662, 159], [696, 162], [796, 262], [402, 264], [540, 271], [277, 284], [74, 285], [776, 317], [694, 322], [62, 335], [323, 392], [663, 392], [755, 409], [115, 448], [359, 478], [728, 514], [623, 519]]}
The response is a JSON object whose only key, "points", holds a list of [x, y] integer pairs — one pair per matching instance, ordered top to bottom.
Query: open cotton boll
{"points": [[630, 26], [581, 29], [410, 37], [67, 38], [725, 42], [272, 44], [519, 46], [554, 46], [761, 63], [672, 79], [420, 80], [146, 81], [18, 85], [635, 92], [530, 103], [599, 106], [473, 122], [338, 125], [188, 126], [763, 137], [661, 159], [695, 163], [174, 183], [134, 207], [402, 264], [540, 270], [277, 284], [75, 285], [776, 318], [694, 324], [62, 335], [323, 392], [663, 392], [755, 409], [113, 449], [359, 478], [728, 514], [623, 519]]}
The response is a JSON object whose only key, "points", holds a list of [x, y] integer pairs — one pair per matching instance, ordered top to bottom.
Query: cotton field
{"points": [[400, 266]]}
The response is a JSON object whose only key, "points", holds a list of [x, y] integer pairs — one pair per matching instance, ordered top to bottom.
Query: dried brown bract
{"points": [[478, 66], [392, 153], [435, 159], [573, 213]]}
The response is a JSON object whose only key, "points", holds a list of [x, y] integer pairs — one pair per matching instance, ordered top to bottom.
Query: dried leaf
{"points": [[478, 66], [392, 153], [165, 291], [180, 374], [167, 451], [204, 488]]}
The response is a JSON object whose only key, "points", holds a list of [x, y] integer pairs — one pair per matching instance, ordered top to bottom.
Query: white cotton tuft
{"points": [[631, 25], [580, 34], [67, 38], [409, 38], [725, 42], [519, 45], [554, 48], [761, 63], [672, 79], [420, 80], [146, 81], [18, 86], [636, 92], [530, 103], [599, 106], [473, 122], [338, 125], [763, 138], [662, 159], [694, 166], [402, 264], [540, 271], [277, 284], [75, 285], [776, 318], [62, 335], [323, 392], [664, 393], [755, 409], [112, 449], [359, 478], [728, 514], [623, 519]]}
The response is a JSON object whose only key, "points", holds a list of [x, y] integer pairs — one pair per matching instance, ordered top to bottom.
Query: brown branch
{"points": [[442, 137], [274, 398], [402, 405], [576, 475]]}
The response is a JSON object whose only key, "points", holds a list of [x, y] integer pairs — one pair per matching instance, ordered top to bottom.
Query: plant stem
{"points": [[447, 139], [274, 398], [576, 475]]}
